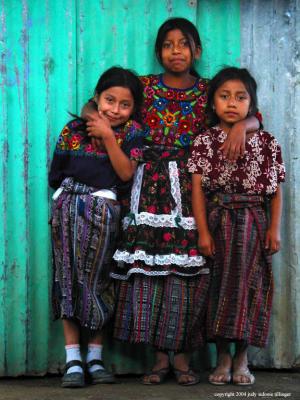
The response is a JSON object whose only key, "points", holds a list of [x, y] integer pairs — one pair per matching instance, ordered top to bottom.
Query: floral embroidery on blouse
{"points": [[173, 117], [73, 137], [259, 171]]}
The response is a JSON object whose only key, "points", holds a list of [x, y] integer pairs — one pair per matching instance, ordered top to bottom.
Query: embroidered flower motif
{"points": [[145, 80], [149, 91], [170, 94], [181, 95], [160, 104], [173, 106], [186, 108], [169, 119], [152, 120], [184, 126], [65, 131], [185, 139], [74, 143], [89, 148], [136, 153], [155, 177], [151, 209], [166, 209], [167, 236], [184, 243], [193, 252]]}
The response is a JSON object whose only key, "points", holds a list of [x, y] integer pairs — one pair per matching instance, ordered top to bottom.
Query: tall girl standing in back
{"points": [[229, 205], [85, 216], [162, 277]]}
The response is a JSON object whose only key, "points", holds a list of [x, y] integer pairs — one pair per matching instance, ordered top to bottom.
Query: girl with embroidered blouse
{"points": [[230, 202], [85, 216], [162, 278]]}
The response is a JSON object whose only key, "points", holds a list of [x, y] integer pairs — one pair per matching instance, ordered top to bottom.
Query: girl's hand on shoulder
{"points": [[98, 126], [234, 145], [272, 242], [206, 244]]}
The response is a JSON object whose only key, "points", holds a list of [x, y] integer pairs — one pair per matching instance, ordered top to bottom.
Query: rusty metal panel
{"points": [[270, 45], [52, 54]]}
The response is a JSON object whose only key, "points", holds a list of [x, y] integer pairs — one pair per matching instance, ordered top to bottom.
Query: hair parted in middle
{"points": [[189, 31], [228, 74]]}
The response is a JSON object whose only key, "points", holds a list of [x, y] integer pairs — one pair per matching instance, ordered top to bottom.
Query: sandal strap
{"points": [[95, 362], [73, 363]]}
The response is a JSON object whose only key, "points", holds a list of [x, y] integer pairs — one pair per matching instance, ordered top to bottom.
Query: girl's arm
{"points": [[99, 127], [234, 145], [205, 241], [272, 243]]}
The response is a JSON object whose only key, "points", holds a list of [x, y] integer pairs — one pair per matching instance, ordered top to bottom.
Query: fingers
{"points": [[272, 245]]}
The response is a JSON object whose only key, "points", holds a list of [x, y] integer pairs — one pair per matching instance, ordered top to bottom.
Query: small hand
{"points": [[98, 126], [234, 145], [272, 241], [206, 245]]}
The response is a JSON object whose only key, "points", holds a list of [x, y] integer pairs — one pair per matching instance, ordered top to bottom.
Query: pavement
{"points": [[268, 385]]}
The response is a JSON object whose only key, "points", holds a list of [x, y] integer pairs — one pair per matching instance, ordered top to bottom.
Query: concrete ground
{"points": [[268, 385]]}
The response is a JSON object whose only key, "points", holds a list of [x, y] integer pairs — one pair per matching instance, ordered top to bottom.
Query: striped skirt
{"points": [[84, 229], [241, 291], [166, 312]]}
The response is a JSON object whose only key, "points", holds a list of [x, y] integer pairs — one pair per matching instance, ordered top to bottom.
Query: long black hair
{"points": [[188, 30], [228, 74]]}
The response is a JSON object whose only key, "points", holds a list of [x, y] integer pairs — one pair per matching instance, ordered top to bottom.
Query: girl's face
{"points": [[176, 55], [232, 103], [116, 104]]}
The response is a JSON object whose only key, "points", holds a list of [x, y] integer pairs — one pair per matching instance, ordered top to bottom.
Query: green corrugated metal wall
{"points": [[52, 53]]}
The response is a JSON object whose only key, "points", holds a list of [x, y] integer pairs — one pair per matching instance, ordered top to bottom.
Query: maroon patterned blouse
{"points": [[258, 172]]}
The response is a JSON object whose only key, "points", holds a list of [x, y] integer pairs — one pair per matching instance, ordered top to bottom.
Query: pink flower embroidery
{"points": [[167, 236]]}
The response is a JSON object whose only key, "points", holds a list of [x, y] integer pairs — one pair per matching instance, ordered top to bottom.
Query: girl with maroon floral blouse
{"points": [[229, 202]]}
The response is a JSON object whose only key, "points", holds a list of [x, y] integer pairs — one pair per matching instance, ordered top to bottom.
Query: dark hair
{"points": [[189, 31], [226, 74], [118, 76]]}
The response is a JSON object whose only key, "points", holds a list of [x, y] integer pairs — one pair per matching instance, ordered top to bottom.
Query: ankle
{"points": [[94, 353], [73, 354]]}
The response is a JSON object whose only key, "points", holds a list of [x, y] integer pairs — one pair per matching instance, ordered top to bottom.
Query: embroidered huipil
{"points": [[75, 157], [160, 236]]}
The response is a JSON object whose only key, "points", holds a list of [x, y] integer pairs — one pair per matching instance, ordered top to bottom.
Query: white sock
{"points": [[73, 353], [94, 353]]}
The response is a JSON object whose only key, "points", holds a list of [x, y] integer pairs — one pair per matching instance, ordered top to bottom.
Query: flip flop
{"points": [[243, 372], [161, 373], [179, 373], [224, 381]]}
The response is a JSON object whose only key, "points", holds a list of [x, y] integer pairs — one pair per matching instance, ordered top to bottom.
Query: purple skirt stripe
{"points": [[84, 229], [165, 312]]}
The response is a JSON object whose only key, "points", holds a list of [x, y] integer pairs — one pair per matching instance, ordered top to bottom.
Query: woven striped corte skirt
{"points": [[84, 229], [241, 291]]}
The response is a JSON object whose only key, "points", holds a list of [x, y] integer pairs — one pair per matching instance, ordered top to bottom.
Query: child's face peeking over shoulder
{"points": [[232, 103], [116, 104]]}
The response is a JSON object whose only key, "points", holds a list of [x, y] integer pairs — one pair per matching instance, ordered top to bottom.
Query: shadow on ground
{"points": [[268, 385]]}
